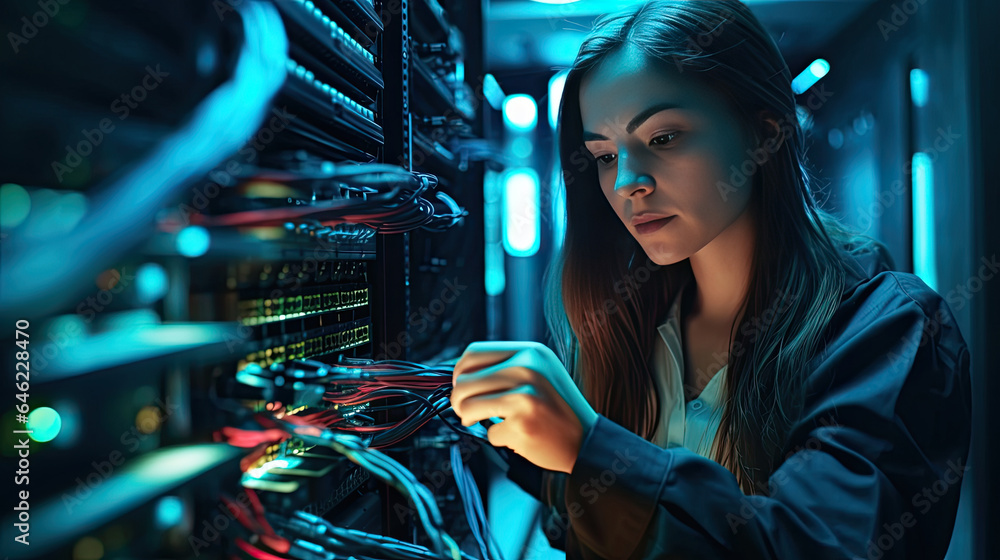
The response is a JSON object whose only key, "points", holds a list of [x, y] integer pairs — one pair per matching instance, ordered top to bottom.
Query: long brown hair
{"points": [[605, 298]]}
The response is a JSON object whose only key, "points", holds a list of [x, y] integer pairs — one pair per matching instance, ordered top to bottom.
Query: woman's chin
{"points": [[662, 256], [665, 259]]}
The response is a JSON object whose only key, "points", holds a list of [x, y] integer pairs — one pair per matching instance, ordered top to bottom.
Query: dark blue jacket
{"points": [[872, 469]]}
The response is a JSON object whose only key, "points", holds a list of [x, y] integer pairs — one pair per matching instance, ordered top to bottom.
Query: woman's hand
{"points": [[545, 416]]}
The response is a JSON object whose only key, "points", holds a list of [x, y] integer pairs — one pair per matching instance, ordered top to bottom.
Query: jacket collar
{"points": [[862, 263]]}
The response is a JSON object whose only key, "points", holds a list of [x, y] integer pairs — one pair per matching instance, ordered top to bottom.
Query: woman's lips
{"points": [[650, 227]]}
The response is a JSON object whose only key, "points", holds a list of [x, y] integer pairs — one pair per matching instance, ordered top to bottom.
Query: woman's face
{"points": [[665, 146]]}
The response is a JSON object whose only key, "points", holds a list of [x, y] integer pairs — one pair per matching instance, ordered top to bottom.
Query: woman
{"points": [[748, 379]]}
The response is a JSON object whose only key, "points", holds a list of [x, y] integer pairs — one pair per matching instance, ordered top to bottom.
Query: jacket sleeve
{"points": [[872, 469]]}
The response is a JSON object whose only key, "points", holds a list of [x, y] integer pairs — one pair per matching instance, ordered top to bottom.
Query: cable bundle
{"points": [[386, 198], [350, 384], [349, 388], [428, 388], [381, 466], [389, 471], [472, 502], [254, 520], [341, 541]]}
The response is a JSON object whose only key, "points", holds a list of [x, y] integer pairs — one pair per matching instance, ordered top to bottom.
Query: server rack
{"points": [[271, 105]]}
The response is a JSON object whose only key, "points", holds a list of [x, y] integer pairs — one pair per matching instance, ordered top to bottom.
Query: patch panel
{"points": [[300, 72], [266, 310], [309, 344]]}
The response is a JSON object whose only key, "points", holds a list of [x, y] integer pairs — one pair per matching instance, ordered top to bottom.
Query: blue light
{"points": [[558, 49], [206, 59], [819, 68], [810, 75], [556, 85], [919, 87], [493, 92], [520, 112], [860, 125], [215, 129], [836, 138], [521, 147], [15, 204], [72, 207], [558, 207], [55, 213], [521, 218], [192, 241], [924, 258], [496, 278], [151, 282], [68, 328], [44, 424], [69, 432], [262, 470], [169, 512]]}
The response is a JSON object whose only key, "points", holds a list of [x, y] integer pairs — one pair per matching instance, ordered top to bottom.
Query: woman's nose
{"points": [[631, 180]]}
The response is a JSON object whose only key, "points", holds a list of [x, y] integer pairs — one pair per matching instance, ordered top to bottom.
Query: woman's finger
{"points": [[479, 355], [475, 360], [500, 377], [500, 404], [500, 435]]}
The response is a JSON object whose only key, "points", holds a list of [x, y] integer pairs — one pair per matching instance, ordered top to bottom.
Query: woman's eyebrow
{"points": [[636, 121]]}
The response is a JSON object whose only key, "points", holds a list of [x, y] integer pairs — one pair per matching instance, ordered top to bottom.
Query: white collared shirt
{"points": [[694, 424]]}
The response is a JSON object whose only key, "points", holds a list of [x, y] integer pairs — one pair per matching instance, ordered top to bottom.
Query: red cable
{"points": [[252, 438], [248, 461], [259, 513], [242, 516], [256, 552]]}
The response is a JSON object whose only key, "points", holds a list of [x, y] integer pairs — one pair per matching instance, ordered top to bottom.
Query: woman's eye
{"points": [[663, 139]]}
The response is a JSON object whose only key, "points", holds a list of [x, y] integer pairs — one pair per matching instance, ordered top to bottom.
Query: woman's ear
{"points": [[773, 135]]}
